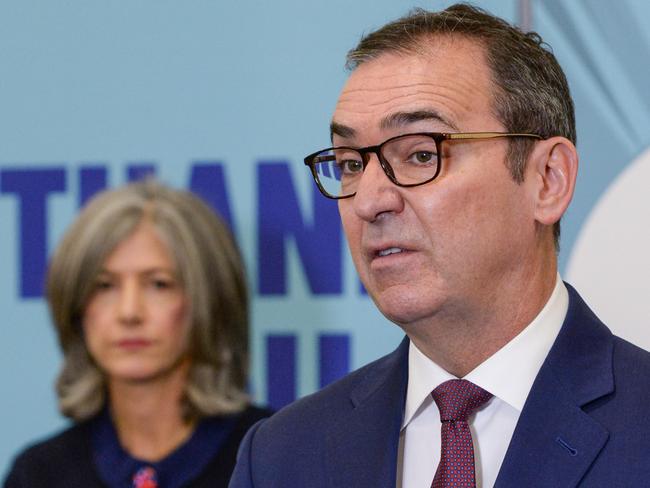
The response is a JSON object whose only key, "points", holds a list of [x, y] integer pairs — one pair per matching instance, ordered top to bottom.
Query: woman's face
{"points": [[136, 323]]}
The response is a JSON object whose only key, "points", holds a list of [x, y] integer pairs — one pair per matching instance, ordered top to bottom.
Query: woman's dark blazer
{"points": [[65, 460]]}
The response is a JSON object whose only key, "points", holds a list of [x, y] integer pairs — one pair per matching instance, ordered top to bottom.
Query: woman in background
{"points": [[147, 292]]}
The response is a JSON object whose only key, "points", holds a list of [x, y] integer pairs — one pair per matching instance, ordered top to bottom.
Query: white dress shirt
{"points": [[508, 375]]}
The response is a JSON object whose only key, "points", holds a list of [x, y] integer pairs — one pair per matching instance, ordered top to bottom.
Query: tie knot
{"points": [[457, 399]]}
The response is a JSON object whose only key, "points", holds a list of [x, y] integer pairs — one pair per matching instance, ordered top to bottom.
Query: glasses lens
{"points": [[413, 158], [338, 170]]}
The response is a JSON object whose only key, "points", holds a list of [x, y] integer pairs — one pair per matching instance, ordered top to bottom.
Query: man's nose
{"points": [[376, 193], [131, 305]]}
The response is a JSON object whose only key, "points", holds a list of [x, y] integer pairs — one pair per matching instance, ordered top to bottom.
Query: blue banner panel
{"points": [[32, 187], [280, 219], [334, 355], [281, 369]]}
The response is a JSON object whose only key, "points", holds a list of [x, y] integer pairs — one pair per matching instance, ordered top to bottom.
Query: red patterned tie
{"points": [[456, 400], [145, 478]]}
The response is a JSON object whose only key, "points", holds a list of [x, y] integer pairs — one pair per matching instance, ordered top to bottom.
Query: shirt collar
{"points": [[508, 374]]}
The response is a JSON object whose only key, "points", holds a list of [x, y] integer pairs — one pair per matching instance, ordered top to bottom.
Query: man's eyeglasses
{"points": [[408, 160]]}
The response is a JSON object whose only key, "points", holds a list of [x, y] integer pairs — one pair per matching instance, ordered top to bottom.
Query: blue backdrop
{"points": [[226, 98]]}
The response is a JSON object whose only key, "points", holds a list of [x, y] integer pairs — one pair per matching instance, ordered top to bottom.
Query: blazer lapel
{"points": [[555, 440], [362, 449]]}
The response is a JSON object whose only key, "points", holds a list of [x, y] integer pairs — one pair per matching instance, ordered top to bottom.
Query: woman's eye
{"points": [[162, 284], [103, 285]]}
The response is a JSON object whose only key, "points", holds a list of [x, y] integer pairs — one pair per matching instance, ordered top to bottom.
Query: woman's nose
{"points": [[131, 306]]}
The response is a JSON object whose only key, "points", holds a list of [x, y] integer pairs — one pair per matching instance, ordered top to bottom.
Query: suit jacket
{"points": [[586, 422], [66, 460]]}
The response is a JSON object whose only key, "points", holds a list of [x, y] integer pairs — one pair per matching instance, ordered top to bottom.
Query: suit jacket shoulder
{"points": [[587, 414], [344, 435]]}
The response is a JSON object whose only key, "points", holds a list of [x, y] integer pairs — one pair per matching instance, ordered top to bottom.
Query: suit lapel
{"points": [[556, 441], [362, 449]]}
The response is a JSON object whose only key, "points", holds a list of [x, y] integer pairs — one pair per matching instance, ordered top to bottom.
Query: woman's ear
{"points": [[554, 167]]}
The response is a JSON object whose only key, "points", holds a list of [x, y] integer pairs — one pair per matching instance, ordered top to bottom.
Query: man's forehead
{"points": [[389, 70], [443, 84]]}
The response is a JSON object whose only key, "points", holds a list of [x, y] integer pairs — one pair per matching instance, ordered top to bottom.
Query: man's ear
{"points": [[554, 168]]}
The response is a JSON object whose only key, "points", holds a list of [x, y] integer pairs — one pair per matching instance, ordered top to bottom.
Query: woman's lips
{"points": [[133, 344]]}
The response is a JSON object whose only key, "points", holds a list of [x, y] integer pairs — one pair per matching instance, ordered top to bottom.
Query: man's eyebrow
{"points": [[399, 119], [341, 130]]}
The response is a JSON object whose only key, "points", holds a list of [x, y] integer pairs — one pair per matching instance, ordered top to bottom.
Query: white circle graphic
{"points": [[610, 261]]}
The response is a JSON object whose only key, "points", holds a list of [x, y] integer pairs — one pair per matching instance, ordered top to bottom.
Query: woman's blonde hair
{"points": [[210, 270]]}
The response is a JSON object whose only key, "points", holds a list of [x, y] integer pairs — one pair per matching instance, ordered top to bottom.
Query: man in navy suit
{"points": [[453, 161]]}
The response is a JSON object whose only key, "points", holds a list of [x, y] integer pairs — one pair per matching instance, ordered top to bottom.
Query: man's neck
{"points": [[459, 342]]}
